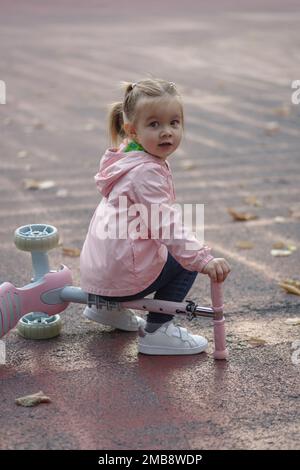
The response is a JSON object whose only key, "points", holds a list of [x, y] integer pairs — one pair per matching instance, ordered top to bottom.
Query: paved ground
{"points": [[234, 62]]}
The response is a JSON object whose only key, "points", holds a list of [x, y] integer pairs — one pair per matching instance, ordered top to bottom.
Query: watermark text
{"points": [[2, 92], [296, 94], [123, 220]]}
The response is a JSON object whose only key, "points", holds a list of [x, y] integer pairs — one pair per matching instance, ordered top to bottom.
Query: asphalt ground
{"points": [[234, 63]]}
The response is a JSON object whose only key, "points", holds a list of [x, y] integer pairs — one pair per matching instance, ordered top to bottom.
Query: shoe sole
{"points": [[92, 317], [155, 351]]}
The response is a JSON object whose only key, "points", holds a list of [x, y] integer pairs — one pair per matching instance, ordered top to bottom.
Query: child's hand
{"points": [[217, 269]]}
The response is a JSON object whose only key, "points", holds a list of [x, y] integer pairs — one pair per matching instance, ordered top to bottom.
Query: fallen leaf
{"points": [[272, 128], [22, 154], [187, 164], [31, 184], [35, 184], [46, 184], [252, 201], [241, 216], [279, 219], [244, 245], [278, 245], [284, 246], [74, 252], [278, 253], [293, 282], [291, 286], [292, 321], [256, 342], [33, 400]]}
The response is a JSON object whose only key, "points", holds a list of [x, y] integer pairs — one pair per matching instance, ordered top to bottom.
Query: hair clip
{"points": [[172, 84]]}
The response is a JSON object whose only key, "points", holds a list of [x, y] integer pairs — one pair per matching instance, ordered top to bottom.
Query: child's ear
{"points": [[130, 130]]}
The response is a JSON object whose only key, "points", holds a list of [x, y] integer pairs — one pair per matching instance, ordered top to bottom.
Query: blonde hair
{"points": [[148, 88]]}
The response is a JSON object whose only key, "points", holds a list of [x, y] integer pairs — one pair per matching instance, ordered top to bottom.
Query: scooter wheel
{"points": [[36, 237], [39, 326]]}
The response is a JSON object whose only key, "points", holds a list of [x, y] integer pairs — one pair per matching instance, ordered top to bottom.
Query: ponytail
{"points": [[115, 123]]}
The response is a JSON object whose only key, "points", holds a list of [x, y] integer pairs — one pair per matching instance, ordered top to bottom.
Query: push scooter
{"points": [[36, 305]]}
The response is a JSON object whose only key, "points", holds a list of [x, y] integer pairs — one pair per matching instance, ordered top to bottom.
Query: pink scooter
{"points": [[50, 292]]}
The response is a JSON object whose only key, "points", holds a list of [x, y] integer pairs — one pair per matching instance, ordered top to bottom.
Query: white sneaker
{"points": [[124, 319], [170, 339]]}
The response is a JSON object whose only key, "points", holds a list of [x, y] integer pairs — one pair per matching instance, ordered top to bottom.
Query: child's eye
{"points": [[175, 122], [154, 124]]}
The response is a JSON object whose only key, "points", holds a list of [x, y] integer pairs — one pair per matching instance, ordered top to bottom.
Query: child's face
{"points": [[159, 125]]}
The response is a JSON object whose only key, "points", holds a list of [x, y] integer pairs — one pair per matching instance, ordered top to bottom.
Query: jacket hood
{"points": [[115, 164]]}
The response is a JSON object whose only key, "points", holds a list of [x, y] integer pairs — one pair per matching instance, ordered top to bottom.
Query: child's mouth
{"points": [[165, 144]]}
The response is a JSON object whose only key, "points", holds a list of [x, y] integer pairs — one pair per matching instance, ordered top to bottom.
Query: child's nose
{"points": [[166, 130]]}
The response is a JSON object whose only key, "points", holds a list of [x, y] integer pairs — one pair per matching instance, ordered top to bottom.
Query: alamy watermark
{"points": [[2, 92], [296, 94], [123, 220], [2, 352]]}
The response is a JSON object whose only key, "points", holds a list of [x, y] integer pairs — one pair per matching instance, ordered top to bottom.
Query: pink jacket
{"points": [[124, 265]]}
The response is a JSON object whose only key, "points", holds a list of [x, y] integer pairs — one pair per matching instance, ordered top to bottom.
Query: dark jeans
{"points": [[173, 283]]}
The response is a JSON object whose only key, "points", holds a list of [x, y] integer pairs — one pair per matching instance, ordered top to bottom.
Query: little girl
{"points": [[126, 266]]}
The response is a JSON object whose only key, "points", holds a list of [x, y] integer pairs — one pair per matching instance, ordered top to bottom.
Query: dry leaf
{"points": [[272, 128], [22, 154], [187, 164], [31, 184], [35, 184], [46, 184], [252, 201], [241, 216], [244, 245], [278, 245], [283, 246], [282, 249], [74, 252], [284, 252], [293, 282], [291, 286], [292, 321], [256, 342], [33, 400]]}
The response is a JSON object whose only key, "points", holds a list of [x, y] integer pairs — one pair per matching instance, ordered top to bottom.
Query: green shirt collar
{"points": [[134, 146]]}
